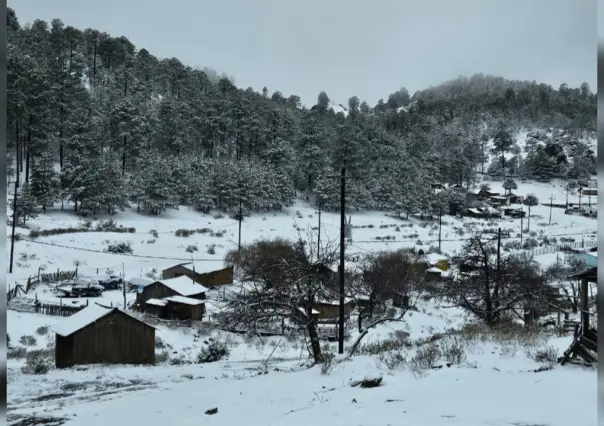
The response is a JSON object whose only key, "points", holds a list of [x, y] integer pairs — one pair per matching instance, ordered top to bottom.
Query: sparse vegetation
{"points": [[122, 247], [28, 340], [214, 351]]}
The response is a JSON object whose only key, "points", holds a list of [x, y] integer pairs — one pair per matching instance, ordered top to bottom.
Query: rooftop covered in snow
{"points": [[184, 286], [84, 318]]}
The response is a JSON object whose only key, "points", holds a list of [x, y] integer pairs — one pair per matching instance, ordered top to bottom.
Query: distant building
{"points": [[589, 258], [207, 274], [97, 335]]}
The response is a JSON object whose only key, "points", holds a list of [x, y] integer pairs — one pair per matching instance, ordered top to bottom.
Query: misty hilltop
{"points": [[95, 121]]}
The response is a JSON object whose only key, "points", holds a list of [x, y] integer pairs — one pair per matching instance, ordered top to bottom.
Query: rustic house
{"points": [[586, 192], [515, 199], [499, 200], [438, 260], [208, 274], [181, 286], [184, 308], [330, 309], [96, 335]]}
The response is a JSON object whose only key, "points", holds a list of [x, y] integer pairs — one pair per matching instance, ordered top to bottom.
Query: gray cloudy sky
{"points": [[350, 47]]}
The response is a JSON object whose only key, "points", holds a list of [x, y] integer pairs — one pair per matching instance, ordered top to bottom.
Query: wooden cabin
{"points": [[181, 286], [184, 308], [330, 309], [96, 335]]}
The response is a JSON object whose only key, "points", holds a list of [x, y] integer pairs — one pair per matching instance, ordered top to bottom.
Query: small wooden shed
{"points": [[208, 274], [184, 308], [330, 309], [97, 335]]}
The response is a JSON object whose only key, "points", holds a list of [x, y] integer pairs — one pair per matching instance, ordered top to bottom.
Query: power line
{"points": [[458, 239], [120, 254]]}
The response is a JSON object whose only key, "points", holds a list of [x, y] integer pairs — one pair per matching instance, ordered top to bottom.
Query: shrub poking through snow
{"points": [[123, 247], [42, 331], [28, 340], [214, 351], [328, 358], [38, 361]]}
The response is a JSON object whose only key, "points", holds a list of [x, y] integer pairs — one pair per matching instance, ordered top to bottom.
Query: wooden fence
{"points": [[559, 248], [54, 277], [57, 309]]}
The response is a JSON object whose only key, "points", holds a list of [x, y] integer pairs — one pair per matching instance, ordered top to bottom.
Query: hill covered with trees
{"points": [[95, 121]]}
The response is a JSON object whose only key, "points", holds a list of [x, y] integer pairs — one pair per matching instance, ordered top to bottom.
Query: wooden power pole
{"points": [[551, 203], [12, 238], [342, 248]]}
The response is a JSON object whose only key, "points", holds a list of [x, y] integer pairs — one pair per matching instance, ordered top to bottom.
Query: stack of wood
{"points": [[584, 346]]}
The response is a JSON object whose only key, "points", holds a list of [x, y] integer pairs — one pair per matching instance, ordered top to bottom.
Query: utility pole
{"points": [[343, 178], [551, 202], [240, 217], [521, 223], [440, 226], [319, 232], [12, 238], [342, 247], [498, 255], [124, 285]]}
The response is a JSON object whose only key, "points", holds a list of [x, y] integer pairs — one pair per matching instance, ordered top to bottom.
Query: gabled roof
{"points": [[200, 267], [183, 285], [156, 302], [85, 317]]}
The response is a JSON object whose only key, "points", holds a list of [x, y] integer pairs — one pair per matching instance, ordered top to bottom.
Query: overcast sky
{"points": [[365, 48]]}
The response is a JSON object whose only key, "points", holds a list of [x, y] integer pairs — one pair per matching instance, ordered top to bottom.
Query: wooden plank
{"points": [[584, 341]]}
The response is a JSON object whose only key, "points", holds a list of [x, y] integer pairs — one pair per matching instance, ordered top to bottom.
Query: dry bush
{"points": [[28, 340], [453, 350], [546, 355], [162, 357], [328, 357], [393, 359], [424, 359]]}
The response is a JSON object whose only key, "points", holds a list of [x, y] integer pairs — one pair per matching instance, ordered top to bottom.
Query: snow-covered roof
{"points": [[475, 211], [435, 257], [201, 267], [435, 270], [96, 277], [136, 281], [184, 286], [184, 300], [156, 302], [334, 302], [314, 312], [83, 318]]}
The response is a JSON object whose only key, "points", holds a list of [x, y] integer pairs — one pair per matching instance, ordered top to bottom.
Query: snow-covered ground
{"points": [[496, 383]]}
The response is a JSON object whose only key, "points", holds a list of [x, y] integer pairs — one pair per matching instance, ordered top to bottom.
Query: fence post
{"points": [[86, 302]]}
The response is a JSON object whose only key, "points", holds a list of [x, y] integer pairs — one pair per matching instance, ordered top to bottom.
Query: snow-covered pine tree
{"points": [[44, 183], [27, 205]]}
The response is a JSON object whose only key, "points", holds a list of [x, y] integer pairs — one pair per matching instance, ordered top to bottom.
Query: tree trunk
{"points": [[27, 148], [314, 341]]}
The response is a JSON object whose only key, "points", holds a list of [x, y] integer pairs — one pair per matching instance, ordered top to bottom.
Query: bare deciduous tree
{"points": [[384, 276], [393, 276], [282, 280], [488, 288], [569, 288]]}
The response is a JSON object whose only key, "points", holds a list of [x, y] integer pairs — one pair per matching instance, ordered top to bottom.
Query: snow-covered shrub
{"points": [[530, 243], [122, 247], [192, 248], [212, 249], [42, 330], [28, 340], [453, 350], [214, 351], [162, 357], [328, 357], [38, 361]]}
